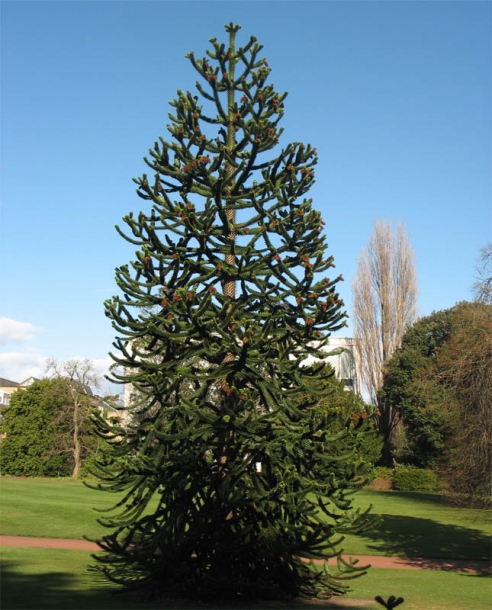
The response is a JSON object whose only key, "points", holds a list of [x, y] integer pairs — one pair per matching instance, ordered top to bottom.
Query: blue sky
{"points": [[395, 96]]}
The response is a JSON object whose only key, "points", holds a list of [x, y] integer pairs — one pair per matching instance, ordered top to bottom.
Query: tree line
{"points": [[430, 378], [440, 381], [47, 429]]}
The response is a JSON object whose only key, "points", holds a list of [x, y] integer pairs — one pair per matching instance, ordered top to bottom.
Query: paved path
{"points": [[376, 561]]}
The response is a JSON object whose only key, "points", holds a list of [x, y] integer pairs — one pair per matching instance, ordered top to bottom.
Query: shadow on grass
{"points": [[420, 497], [407, 536], [471, 568], [54, 590], [66, 591]]}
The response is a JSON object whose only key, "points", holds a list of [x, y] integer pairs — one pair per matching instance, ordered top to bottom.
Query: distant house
{"points": [[7, 388]]}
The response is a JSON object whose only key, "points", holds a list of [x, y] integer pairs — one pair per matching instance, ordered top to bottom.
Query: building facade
{"points": [[341, 354]]}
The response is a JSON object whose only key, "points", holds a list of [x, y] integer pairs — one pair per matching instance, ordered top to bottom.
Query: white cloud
{"points": [[13, 330], [23, 360], [19, 363], [103, 364], [19, 366]]}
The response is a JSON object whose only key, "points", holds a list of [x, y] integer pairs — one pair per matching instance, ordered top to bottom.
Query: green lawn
{"points": [[50, 508], [411, 524], [421, 525], [42, 579]]}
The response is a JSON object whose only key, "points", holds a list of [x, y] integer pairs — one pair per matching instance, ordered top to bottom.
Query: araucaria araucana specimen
{"points": [[228, 479]]}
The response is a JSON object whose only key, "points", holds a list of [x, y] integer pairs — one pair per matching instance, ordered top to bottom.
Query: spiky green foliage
{"points": [[230, 479]]}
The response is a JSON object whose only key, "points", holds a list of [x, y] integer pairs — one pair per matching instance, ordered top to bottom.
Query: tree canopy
{"points": [[440, 380], [37, 431]]}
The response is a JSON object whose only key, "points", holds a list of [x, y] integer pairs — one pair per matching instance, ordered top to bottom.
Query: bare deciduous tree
{"points": [[482, 288], [384, 303], [81, 377]]}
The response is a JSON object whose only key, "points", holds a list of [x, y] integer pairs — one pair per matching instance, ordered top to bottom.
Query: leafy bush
{"points": [[411, 478]]}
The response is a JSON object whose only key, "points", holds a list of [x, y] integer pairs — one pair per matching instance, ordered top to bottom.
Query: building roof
{"points": [[28, 381], [5, 383]]}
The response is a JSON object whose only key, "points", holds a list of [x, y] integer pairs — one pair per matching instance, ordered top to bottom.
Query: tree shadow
{"points": [[420, 497], [407, 536], [50, 590], [63, 591]]}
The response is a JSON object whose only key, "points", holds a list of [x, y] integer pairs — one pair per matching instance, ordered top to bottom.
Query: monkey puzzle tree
{"points": [[228, 478]]}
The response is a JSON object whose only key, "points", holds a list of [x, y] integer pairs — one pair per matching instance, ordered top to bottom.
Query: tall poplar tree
{"points": [[385, 292], [229, 479]]}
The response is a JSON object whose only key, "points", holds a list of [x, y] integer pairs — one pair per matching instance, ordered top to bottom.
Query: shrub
{"points": [[411, 478]]}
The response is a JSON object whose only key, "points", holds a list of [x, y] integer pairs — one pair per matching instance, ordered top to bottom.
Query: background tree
{"points": [[482, 288], [227, 295], [384, 304], [464, 366], [440, 381], [427, 407], [74, 414], [28, 428], [36, 431]]}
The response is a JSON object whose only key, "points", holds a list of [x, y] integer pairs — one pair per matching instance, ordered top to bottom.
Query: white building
{"points": [[342, 356]]}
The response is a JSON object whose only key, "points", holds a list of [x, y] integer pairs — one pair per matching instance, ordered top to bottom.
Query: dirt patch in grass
{"points": [[380, 484]]}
